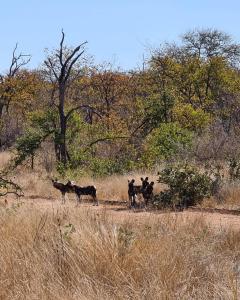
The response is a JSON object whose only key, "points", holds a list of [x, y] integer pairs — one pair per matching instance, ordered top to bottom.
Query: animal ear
{"points": [[146, 178], [141, 179], [128, 180]]}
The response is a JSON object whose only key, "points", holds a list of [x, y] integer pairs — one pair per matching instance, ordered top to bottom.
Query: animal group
{"points": [[145, 189]]}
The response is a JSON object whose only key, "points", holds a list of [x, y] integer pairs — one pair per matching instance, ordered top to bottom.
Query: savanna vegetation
{"points": [[76, 118], [175, 120]]}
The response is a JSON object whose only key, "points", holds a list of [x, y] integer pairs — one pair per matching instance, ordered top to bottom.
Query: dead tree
{"points": [[18, 61], [60, 67]]}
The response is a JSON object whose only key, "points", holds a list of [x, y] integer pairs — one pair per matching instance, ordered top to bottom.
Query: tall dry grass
{"points": [[113, 187], [66, 253]]}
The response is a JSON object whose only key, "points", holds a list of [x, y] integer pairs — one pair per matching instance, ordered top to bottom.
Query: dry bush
{"points": [[4, 159], [230, 195], [68, 253]]}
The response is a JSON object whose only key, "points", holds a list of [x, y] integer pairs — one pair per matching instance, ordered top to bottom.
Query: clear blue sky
{"points": [[117, 30]]}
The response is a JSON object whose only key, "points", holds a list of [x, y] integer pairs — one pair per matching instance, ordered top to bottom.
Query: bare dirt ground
{"points": [[119, 212]]}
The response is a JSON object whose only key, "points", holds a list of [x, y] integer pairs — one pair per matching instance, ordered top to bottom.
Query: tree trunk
{"points": [[63, 127], [1, 129]]}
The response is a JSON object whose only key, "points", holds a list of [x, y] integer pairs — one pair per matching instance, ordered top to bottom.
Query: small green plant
{"points": [[187, 185]]}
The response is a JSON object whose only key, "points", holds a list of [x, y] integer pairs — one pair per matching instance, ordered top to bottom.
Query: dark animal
{"points": [[145, 183], [63, 188], [87, 190], [134, 190], [131, 193], [148, 193]]}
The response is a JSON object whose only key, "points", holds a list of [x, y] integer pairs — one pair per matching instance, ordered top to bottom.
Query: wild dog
{"points": [[145, 183], [63, 188], [87, 190], [134, 190], [131, 193], [148, 193]]}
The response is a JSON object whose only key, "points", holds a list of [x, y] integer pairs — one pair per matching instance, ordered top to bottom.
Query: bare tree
{"points": [[62, 71], [7, 92]]}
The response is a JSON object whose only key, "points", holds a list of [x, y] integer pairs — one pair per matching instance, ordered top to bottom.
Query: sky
{"points": [[118, 31]]}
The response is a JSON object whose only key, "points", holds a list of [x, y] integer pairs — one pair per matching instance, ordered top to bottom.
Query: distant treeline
{"points": [[183, 104]]}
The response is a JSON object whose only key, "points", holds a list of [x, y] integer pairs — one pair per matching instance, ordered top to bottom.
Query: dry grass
{"points": [[4, 159], [38, 182], [109, 188], [229, 197], [68, 253]]}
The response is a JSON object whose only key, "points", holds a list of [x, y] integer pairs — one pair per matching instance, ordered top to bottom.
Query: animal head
{"points": [[132, 181], [70, 183]]}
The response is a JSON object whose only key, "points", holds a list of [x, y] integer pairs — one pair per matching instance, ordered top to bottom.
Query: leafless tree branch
{"points": [[71, 111], [103, 140]]}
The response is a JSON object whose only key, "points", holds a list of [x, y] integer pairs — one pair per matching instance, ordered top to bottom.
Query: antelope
{"points": [[88, 190]]}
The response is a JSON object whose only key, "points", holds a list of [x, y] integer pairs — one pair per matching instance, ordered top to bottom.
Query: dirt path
{"points": [[119, 212]]}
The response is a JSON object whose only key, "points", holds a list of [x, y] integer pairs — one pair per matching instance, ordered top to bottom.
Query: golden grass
{"points": [[4, 159], [114, 187], [229, 197], [63, 252]]}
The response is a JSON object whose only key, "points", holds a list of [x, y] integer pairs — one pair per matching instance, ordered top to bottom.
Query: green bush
{"points": [[165, 142], [187, 186]]}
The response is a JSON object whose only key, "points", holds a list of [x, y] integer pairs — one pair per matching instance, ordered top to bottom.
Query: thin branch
{"points": [[61, 48], [73, 53], [18, 61], [49, 64], [71, 65], [71, 111], [140, 126], [103, 140], [10, 184]]}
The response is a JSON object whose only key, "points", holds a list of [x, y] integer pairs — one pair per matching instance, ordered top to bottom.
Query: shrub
{"points": [[165, 142], [187, 185]]}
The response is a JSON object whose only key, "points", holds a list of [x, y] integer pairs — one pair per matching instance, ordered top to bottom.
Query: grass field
{"points": [[52, 251], [65, 252]]}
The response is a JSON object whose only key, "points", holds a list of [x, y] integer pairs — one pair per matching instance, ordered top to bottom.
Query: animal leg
{"points": [[63, 198], [78, 199], [134, 200], [95, 201], [129, 201]]}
